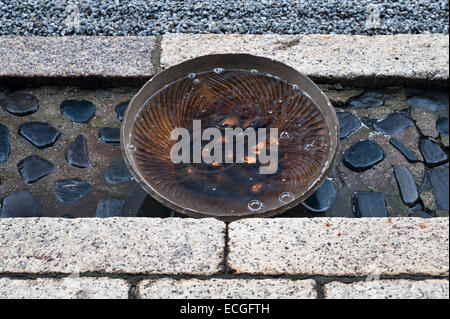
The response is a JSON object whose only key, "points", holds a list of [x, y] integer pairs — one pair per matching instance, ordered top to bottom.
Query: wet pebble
{"points": [[368, 99], [432, 100], [20, 104], [120, 109], [78, 110], [393, 123], [348, 124], [442, 126], [40, 134], [109, 135], [5, 144], [402, 148], [77, 154], [363, 155], [433, 155], [34, 167], [117, 172], [439, 179], [406, 184], [69, 191], [323, 198], [20, 204], [369, 204], [109, 207]]}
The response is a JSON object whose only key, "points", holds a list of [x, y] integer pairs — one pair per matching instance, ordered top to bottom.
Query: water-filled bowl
{"points": [[229, 92]]}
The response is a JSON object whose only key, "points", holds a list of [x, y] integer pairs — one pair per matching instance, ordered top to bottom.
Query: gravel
{"points": [[142, 17]]}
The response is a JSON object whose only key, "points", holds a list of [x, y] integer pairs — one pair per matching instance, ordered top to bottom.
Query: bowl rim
{"points": [[230, 61]]}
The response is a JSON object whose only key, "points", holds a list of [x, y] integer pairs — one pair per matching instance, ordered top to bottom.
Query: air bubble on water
{"points": [[218, 70], [254, 71], [191, 75], [196, 81], [295, 87], [284, 135], [131, 147], [214, 188], [286, 197], [255, 205]]}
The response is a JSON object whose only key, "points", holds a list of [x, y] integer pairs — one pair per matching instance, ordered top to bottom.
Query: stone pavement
{"points": [[205, 258]]}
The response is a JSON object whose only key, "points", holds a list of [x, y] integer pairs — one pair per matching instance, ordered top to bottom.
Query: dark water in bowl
{"points": [[231, 99]]}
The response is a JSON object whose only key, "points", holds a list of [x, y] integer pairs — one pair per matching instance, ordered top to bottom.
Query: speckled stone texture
{"points": [[76, 56], [326, 56], [111, 245], [340, 246], [71, 287], [227, 289], [388, 289]]}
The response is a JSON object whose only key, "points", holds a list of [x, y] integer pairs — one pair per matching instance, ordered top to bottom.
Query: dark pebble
{"points": [[368, 99], [428, 99], [20, 104], [120, 109], [78, 111], [348, 124], [392, 124], [442, 126], [41, 135], [109, 135], [5, 146], [77, 153], [407, 153], [363, 155], [433, 155], [34, 167], [117, 172], [439, 179], [406, 184], [69, 191], [323, 199], [21, 204], [369, 204], [109, 207]]}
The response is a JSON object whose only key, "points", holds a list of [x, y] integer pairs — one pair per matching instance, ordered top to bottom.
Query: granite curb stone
{"points": [[111, 245], [339, 246], [64, 288], [227, 288], [388, 289]]}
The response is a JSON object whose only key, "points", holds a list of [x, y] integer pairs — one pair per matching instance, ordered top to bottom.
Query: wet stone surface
{"points": [[368, 99], [20, 104], [120, 109], [78, 111], [348, 124], [392, 124], [442, 126], [41, 135], [109, 135], [5, 145], [402, 148], [77, 153], [433, 154], [363, 155], [34, 167], [117, 172], [406, 185], [112, 186], [69, 191], [323, 198], [20, 204], [369, 204], [109, 207]]}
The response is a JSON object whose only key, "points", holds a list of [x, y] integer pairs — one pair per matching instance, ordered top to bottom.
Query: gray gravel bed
{"points": [[141, 17]]}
